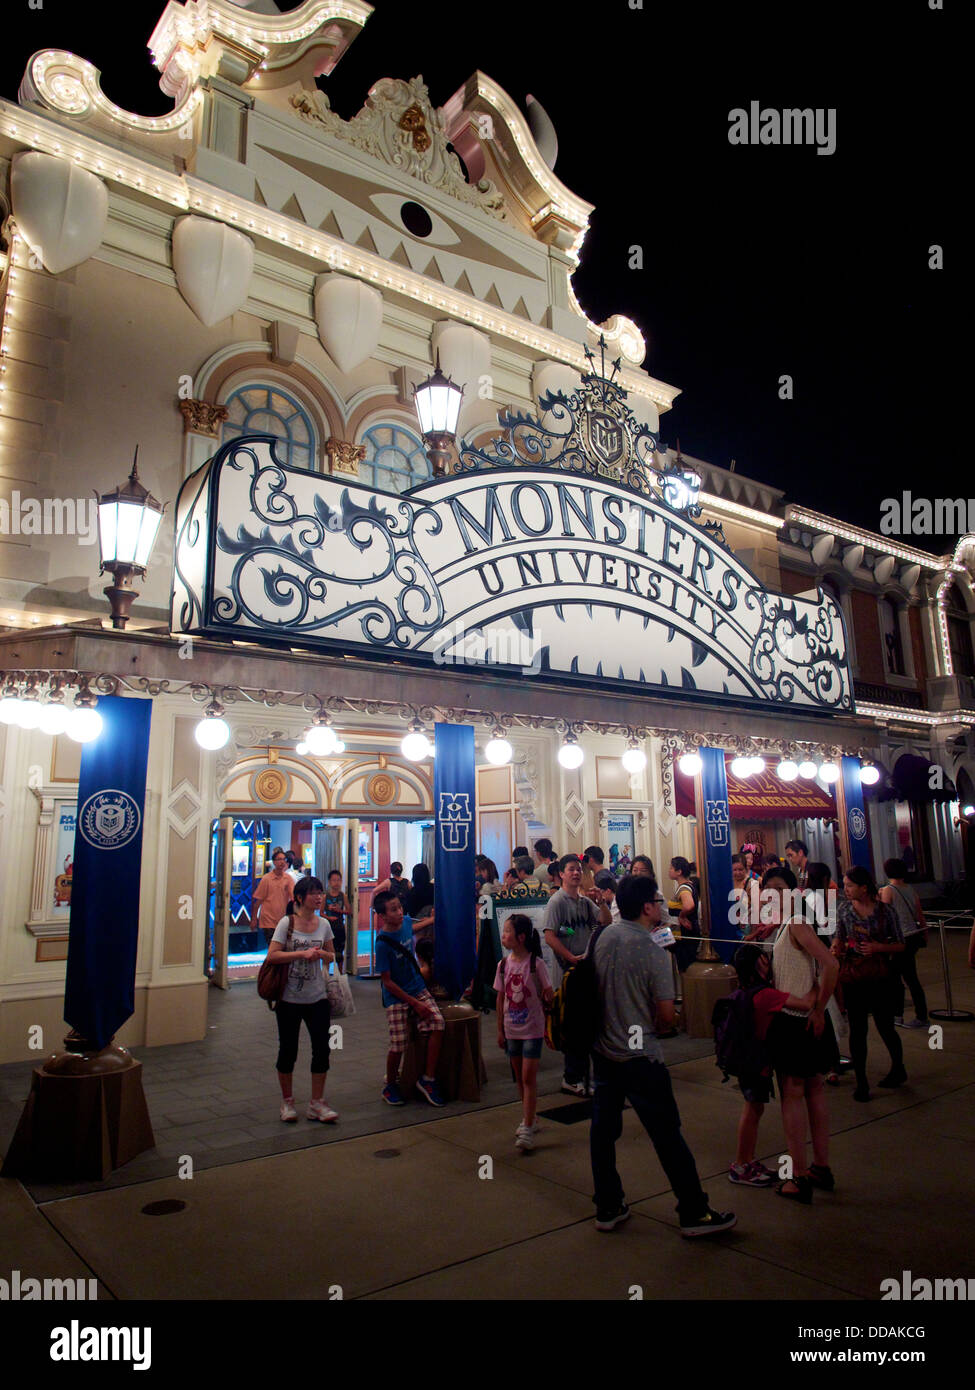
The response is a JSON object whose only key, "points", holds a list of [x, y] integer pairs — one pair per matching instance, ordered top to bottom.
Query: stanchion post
{"points": [[949, 1014]]}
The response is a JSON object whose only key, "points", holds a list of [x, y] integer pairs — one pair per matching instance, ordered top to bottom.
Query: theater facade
{"points": [[250, 289]]}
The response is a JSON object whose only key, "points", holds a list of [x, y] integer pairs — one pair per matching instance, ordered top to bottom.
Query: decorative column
{"points": [[202, 417]]}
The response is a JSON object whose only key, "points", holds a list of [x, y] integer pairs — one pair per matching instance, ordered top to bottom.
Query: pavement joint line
{"points": [[73, 1248], [777, 1264]]}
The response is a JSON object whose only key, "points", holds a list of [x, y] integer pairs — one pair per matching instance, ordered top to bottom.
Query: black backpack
{"points": [[577, 1005], [738, 1051]]}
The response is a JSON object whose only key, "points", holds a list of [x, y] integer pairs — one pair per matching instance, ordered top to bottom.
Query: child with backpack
{"points": [[524, 988], [741, 1023]]}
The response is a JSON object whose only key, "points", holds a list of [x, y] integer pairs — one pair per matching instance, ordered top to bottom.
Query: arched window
{"points": [[270, 410], [395, 458], [890, 628], [959, 634]]}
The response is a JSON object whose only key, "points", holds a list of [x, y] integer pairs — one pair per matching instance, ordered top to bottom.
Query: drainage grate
{"points": [[569, 1114], [387, 1153], [165, 1208]]}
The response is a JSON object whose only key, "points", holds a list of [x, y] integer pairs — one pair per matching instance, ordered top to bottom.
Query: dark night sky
{"points": [[758, 262]]}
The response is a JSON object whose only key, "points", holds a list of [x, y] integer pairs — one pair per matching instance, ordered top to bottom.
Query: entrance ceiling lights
{"points": [[438, 401], [84, 722], [212, 732], [320, 739], [415, 745], [498, 750], [570, 754], [634, 759], [691, 764], [741, 767], [807, 769], [787, 770], [829, 772], [869, 774]]}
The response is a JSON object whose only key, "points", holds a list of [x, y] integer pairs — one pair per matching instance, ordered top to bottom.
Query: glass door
{"points": [[218, 898]]}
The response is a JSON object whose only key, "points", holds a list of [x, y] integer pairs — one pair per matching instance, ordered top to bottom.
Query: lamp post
{"points": [[437, 401], [128, 520]]}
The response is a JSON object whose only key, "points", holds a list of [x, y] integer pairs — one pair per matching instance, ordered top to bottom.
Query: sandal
{"points": [[821, 1176], [803, 1193]]}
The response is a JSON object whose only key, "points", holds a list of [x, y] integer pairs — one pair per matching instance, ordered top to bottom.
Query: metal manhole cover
{"points": [[166, 1207]]}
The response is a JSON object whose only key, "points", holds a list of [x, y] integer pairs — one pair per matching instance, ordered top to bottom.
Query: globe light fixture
{"points": [[437, 402], [128, 520], [10, 708], [29, 713], [54, 719], [84, 724], [212, 732], [320, 740], [415, 745], [301, 748], [498, 750], [570, 754], [634, 760], [690, 764], [756, 765], [741, 767], [807, 769], [787, 770], [829, 772], [869, 774], [968, 810]]}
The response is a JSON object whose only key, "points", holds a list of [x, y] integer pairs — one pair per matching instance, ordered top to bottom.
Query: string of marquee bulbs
{"points": [[36, 699]]}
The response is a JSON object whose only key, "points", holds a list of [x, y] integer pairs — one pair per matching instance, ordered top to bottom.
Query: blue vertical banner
{"points": [[453, 801], [854, 815], [716, 819], [104, 932]]}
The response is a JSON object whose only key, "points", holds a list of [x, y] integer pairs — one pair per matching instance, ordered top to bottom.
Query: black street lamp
{"points": [[437, 401], [128, 520]]}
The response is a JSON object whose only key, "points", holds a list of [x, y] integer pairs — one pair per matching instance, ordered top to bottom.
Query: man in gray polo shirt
{"points": [[569, 922], [636, 994]]}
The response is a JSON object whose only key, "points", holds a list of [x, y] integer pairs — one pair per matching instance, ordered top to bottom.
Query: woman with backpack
{"points": [[302, 939], [524, 988]]}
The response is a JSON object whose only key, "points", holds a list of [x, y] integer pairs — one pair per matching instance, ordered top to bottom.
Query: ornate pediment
{"points": [[399, 127]]}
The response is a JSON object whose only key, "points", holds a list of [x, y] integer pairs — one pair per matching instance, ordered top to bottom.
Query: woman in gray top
{"points": [[906, 905]]}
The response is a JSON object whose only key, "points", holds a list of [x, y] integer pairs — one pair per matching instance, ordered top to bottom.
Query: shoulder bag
{"points": [[273, 975]]}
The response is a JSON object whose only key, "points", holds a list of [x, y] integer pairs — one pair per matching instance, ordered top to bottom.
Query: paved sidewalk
{"points": [[440, 1205]]}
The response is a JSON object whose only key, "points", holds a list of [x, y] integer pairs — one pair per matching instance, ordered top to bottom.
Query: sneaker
{"points": [[899, 1021], [917, 1023], [574, 1088], [430, 1091], [392, 1095], [318, 1110], [288, 1111], [525, 1138], [751, 1174], [609, 1220], [710, 1224]]}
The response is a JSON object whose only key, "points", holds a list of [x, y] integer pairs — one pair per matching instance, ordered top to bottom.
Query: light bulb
{"points": [[10, 709], [29, 714], [54, 719], [84, 724], [212, 732], [320, 740], [415, 746], [301, 749], [498, 751], [571, 755], [634, 760], [691, 764], [756, 764], [741, 767], [807, 769], [787, 770], [829, 772], [869, 775], [968, 810]]}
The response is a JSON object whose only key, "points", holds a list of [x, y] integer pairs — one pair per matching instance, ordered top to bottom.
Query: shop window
{"points": [[269, 410], [395, 459], [891, 629], [959, 634]]}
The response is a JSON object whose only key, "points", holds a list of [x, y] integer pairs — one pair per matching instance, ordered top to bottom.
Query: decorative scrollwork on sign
{"points": [[592, 431], [285, 574], [793, 651]]}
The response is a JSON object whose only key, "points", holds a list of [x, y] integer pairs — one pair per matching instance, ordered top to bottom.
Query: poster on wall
{"points": [[619, 833], [366, 835], [241, 859], [64, 860]]}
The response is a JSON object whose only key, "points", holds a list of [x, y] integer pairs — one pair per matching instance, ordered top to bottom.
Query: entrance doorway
{"points": [[240, 854]]}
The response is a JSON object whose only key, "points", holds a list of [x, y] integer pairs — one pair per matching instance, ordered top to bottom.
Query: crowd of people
{"points": [[810, 969]]}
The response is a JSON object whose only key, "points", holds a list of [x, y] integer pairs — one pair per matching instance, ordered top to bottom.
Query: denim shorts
{"points": [[529, 1048]]}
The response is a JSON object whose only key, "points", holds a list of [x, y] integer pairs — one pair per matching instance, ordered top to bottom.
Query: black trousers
{"points": [[905, 964], [863, 999], [317, 1018]]}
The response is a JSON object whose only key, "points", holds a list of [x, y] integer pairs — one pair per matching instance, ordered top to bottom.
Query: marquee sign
{"points": [[564, 547]]}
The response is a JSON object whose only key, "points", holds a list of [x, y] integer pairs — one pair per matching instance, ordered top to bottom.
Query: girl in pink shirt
{"points": [[524, 989]]}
